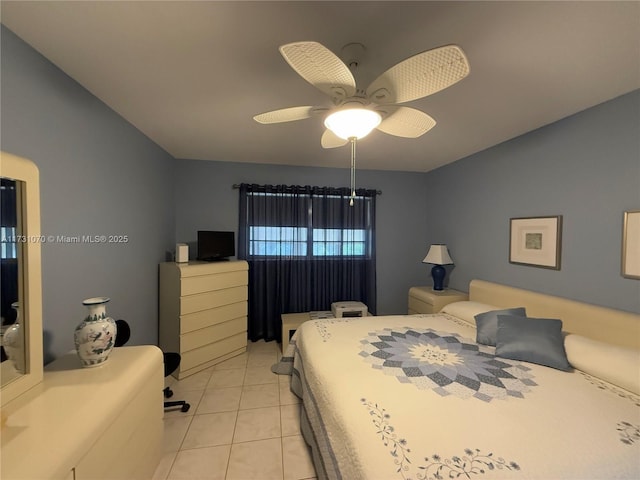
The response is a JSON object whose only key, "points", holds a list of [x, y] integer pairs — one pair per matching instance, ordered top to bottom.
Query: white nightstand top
{"points": [[447, 292]]}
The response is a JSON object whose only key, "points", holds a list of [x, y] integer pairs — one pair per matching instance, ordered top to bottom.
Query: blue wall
{"points": [[585, 167], [99, 176], [205, 200]]}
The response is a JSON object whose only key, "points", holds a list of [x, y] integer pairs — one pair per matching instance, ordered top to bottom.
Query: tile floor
{"points": [[243, 423]]}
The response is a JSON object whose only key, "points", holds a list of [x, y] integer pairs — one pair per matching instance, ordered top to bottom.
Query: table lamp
{"points": [[438, 255]]}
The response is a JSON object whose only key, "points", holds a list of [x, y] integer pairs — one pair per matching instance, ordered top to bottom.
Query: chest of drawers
{"points": [[203, 312]]}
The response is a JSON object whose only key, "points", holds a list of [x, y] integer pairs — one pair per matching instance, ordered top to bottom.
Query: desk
{"points": [[103, 422]]}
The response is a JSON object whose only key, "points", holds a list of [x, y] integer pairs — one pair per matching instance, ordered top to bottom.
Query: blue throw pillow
{"points": [[487, 324], [535, 340]]}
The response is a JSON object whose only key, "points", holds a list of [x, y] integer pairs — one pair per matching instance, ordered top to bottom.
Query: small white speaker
{"points": [[182, 252]]}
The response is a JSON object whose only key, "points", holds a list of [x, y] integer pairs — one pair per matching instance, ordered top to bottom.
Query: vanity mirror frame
{"points": [[30, 272]]}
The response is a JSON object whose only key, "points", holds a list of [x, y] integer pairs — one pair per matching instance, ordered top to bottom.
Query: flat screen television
{"points": [[215, 246]]}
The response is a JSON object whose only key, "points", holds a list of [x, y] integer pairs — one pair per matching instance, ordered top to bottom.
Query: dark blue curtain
{"points": [[301, 256]]}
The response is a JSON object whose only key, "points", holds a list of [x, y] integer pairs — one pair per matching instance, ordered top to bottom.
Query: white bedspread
{"points": [[414, 397]]}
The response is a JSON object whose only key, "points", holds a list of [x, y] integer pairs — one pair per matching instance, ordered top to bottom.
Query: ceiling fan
{"points": [[360, 111]]}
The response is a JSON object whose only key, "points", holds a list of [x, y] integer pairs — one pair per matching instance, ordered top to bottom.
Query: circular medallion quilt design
{"points": [[445, 363]]}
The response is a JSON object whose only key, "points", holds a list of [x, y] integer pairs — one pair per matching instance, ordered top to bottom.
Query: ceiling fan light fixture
{"points": [[353, 122]]}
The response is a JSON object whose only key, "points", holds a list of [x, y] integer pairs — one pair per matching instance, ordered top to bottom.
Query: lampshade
{"points": [[352, 122], [438, 254]]}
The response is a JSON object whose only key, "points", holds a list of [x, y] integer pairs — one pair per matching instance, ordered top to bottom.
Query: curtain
{"points": [[306, 248]]}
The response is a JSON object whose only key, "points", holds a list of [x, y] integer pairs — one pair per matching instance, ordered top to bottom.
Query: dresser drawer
{"points": [[217, 281], [213, 299], [213, 316], [205, 336], [212, 351]]}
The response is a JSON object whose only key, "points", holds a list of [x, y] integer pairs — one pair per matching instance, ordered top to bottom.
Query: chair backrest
{"points": [[123, 333]]}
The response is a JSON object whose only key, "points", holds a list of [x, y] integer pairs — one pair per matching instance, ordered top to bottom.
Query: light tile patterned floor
{"points": [[244, 424]]}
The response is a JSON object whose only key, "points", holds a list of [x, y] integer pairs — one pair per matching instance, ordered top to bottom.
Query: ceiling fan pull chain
{"points": [[353, 170]]}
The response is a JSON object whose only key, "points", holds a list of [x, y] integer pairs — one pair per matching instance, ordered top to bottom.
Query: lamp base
{"points": [[438, 272]]}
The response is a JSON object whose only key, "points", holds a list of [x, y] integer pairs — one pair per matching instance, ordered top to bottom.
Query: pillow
{"points": [[466, 310], [487, 324], [535, 340], [611, 363]]}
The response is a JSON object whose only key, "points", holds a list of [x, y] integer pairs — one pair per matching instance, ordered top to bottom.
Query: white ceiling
{"points": [[191, 75]]}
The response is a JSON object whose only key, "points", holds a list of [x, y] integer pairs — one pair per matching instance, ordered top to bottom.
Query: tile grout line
{"points": [[250, 354], [235, 424], [281, 432]]}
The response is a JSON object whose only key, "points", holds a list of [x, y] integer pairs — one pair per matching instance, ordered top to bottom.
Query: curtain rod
{"points": [[237, 185]]}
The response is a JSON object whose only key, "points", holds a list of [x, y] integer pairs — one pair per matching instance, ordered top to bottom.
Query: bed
{"points": [[417, 397]]}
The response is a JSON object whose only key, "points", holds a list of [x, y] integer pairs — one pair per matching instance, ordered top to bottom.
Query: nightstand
{"points": [[428, 300]]}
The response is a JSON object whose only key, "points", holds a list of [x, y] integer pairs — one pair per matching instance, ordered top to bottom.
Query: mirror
{"points": [[21, 289], [11, 334]]}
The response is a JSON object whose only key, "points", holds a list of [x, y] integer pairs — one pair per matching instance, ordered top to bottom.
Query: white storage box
{"points": [[349, 309]]}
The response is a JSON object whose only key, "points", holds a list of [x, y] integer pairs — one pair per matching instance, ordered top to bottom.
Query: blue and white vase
{"points": [[96, 334], [13, 341]]}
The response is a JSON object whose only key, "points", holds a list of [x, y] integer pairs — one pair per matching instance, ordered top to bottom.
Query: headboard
{"points": [[599, 323]]}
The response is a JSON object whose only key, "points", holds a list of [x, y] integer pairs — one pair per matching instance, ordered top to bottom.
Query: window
{"points": [[8, 218], [277, 241], [302, 241], [7, 242], [295, 242], [337, 242], [306, 248]]}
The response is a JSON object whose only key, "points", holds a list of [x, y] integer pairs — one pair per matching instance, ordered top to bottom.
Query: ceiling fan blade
{"points": [[321, 68], [421, 75], [285, 115], [405, 122], [331, 140]]}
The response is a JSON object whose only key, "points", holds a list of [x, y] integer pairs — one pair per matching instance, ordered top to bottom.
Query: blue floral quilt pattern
{"points": [[446, 363]]}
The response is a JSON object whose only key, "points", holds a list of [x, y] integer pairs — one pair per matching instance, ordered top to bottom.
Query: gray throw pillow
{"points": [[487, 324], [535, 340]]}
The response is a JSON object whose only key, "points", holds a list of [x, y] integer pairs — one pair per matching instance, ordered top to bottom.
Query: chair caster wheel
{"points": [[185, 407]]}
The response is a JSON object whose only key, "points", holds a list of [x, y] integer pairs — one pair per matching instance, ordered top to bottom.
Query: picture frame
{"points": [[536, 241], [631, 244]]}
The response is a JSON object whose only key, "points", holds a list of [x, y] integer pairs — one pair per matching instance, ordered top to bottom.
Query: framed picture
{"points": [[536, 241], [631, 244]]}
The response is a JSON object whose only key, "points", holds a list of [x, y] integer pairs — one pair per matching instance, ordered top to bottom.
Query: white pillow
{"points": [[467, 310], [617, 365]]}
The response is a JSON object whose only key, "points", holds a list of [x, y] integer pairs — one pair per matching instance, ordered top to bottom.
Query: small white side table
{"points": [[292, 321]]}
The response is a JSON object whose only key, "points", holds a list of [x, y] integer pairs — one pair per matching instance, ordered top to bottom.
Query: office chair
{"points": [[171, 363]]}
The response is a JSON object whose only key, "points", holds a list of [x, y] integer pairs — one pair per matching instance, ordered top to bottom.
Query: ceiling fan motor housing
{"points": [[352, 55]]}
